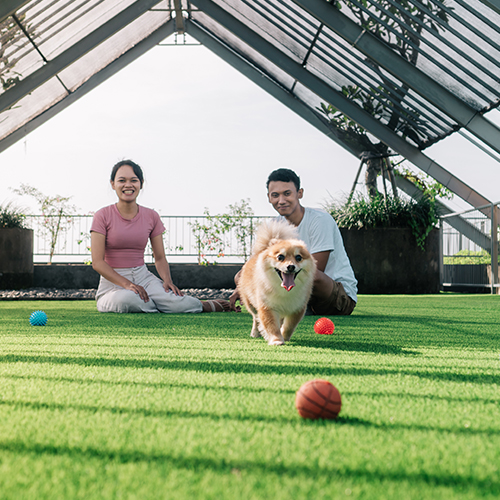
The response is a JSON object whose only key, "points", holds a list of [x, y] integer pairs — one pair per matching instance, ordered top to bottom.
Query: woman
{"points": [[119, 235]]}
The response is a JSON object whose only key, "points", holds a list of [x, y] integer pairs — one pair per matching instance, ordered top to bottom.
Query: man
{"points": [[335, 287]]}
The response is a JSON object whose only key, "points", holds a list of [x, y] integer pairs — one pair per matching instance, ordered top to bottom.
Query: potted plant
{"points": [[393, 243], [16, 249]]}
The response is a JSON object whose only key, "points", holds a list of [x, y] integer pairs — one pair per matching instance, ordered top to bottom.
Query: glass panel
{"points": [[59, 25], [456, 43], [241, 48], [18, 57], [97, 59], [31, 106]]}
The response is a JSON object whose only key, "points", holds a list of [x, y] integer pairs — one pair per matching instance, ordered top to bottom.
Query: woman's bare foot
{"points": [[216, 305]]}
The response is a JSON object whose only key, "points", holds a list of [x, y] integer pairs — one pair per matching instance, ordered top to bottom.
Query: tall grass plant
{"points": [[12, 217]]}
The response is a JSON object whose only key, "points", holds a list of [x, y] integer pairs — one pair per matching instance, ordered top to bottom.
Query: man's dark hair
{"points": [[283, 175]]}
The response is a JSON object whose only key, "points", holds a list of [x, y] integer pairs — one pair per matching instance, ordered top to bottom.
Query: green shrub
{"points": [[419, 215], [11, 217], [210, 234], [469, 257]]}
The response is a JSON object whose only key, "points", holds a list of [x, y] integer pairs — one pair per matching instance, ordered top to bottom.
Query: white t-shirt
{"points": [[320, 233]]}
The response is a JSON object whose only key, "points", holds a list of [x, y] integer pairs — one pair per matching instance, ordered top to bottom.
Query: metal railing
{"points": [[183, 239], [469, 251], [469, 254]]}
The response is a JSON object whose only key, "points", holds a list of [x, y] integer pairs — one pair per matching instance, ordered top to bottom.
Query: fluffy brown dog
{"points": [[276, 282]]}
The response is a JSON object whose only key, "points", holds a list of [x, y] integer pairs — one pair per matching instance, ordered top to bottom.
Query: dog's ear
{"points": [[304, 251]]}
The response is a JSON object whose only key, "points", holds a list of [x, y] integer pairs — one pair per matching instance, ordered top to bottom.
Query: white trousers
{"points": [[116, 299]]}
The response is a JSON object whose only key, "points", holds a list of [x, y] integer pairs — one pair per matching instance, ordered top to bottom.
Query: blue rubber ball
{"points": [[38, 318]]}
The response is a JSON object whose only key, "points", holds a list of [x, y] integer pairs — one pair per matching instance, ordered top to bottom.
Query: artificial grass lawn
{"points": [[189, 406]]}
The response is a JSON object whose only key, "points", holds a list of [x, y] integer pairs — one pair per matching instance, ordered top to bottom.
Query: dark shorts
{"points": [[338, 304]]}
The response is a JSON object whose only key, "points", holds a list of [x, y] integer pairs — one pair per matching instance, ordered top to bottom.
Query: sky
{"points": [[205, 136]]}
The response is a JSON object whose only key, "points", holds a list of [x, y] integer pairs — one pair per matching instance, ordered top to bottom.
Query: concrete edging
{"points": [[183, 275]]}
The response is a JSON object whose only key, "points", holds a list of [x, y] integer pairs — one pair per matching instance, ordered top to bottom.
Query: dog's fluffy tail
{"points": [[274, 229]]}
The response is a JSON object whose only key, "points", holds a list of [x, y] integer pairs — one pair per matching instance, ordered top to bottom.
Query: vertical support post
{"points": [[390, 171], [384, 173], [355, 182], [251, 234], [494, 247], [441, 252]]}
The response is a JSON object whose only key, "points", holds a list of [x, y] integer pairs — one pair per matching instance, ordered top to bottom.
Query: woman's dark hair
{"points": [[137, 170], [284, 175]]}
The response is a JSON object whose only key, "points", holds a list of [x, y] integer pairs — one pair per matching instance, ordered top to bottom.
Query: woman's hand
{"points": [[98, 242], [162, 266], [170, 287], [139, 290]]}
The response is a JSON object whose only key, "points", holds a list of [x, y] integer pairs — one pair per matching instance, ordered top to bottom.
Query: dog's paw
{"points": [[255, 334], [276, 342]]}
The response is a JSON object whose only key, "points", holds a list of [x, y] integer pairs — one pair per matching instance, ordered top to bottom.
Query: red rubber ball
{"points": [[324, 326], [318, 399]]}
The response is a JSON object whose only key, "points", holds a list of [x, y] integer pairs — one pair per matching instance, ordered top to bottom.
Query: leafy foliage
{"points": [[399, 25], [8, 32], [11, 35], [378, 104], [425, 183], [56, 211], [419, 215], [11, 217], [210, 235], [469, 257]]}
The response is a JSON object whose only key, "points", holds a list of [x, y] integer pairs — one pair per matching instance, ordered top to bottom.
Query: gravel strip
{"points": [[89, 293]]}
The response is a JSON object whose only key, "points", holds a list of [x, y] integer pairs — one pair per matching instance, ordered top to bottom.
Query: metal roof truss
{"points": [[401, 75]]}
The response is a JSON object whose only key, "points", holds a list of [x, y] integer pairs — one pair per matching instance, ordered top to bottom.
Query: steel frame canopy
{"points": [[387, 76]]}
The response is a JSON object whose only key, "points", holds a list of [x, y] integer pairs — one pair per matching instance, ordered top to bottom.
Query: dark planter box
{"points": [[16, 258], [388, 260], [470, 274], [183, 275], [472, 278]]}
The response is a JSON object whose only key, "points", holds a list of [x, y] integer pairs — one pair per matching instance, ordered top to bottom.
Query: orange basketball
{"points": [[318, 399]]}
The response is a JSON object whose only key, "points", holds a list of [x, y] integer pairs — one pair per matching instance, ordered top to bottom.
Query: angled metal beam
{"points": [[492, 4], [8, 7], [179, 18], [385, 57], [118, 64], [43, 74], [264, 81], [267, 83], [328, 94], [459, 223]]}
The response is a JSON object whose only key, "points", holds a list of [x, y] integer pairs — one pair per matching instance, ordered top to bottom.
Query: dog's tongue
{"points": [[288, 281]]}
